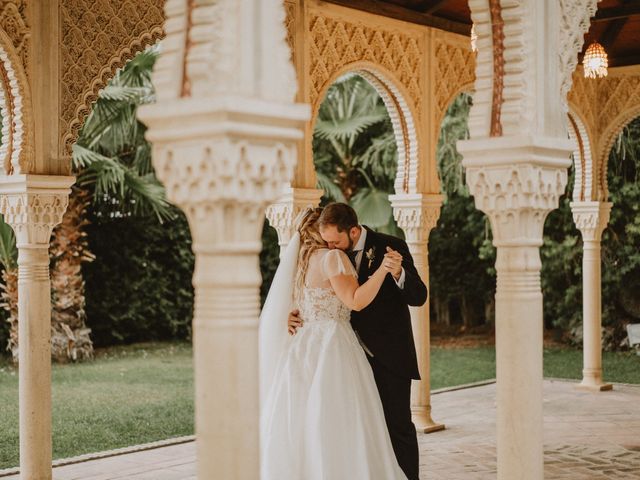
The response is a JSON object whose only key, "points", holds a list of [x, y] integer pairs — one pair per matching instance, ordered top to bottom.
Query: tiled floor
{"points": [[588, 436]]}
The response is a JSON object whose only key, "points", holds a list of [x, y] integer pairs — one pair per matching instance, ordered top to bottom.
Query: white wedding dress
{"points": [[321, 416]]}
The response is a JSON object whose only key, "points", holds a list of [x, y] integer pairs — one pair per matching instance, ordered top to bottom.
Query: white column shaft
{"points": [[417, 215], [591, 219], [34, 317], [592, 321], [420, 323], [225, 337], [519, 365]]}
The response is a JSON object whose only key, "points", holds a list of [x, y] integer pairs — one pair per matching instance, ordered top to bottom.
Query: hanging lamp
{"points": [[595, 61]]}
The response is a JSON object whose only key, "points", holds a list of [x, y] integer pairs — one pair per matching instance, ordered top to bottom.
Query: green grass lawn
{"points": [[457, 366], [144, 393], [127, 396]]}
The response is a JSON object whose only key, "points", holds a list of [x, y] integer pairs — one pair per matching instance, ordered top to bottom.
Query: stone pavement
{"points": [[588, 436]]}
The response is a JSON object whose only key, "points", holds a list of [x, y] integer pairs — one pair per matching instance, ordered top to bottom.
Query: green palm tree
{"points": [[355, 151], [111, 158], [115, 177]]}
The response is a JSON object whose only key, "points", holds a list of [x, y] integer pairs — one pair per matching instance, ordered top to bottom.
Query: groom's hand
{"points": [[393, 262], [294, 322]]}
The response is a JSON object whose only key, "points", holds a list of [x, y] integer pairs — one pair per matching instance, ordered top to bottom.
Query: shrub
{"points": [[139, 287]]}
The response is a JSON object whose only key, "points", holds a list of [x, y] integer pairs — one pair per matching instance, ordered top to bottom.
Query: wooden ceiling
{"points": [[616, 24]]}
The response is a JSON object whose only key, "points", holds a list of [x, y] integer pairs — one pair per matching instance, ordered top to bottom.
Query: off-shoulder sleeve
{"points": [[336, 262]]}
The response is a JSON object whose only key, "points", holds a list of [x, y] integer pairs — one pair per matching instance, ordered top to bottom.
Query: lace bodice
{"points": [[318, 302], [322, 305]]}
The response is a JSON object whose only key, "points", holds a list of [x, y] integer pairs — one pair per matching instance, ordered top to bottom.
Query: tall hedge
{"points": [[139, 287]]}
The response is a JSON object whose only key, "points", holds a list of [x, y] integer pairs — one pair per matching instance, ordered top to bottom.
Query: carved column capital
{"points": [[224, 161], [516, 182], [33, 205], [283, 212], [416, 214], [591, 218]]}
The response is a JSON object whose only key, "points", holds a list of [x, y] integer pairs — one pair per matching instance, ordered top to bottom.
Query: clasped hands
{"points": [[392, 263]]}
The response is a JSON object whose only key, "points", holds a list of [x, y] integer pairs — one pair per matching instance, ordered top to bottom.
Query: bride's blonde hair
{"points": [[310, 241]]}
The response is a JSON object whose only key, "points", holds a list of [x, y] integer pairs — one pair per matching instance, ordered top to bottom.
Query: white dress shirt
{"points": [[359, 249]]}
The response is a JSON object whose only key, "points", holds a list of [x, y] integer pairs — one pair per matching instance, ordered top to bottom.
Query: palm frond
{"points": [[137, 73], [136, 95], [111, 127], [344, 128], [82, 157], [380, 158], [142, 160], [115, 182], [331, 190], [146, 194], [373, 207]]}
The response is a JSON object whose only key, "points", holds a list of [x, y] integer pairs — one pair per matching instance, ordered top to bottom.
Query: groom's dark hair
{"points": [[339, 214]]}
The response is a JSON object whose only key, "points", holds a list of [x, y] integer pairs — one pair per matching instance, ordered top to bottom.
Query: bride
{"points": [[321, 415]]}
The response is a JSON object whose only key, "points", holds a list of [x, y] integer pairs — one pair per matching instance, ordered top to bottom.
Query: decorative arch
{"points": [[14, 23], [98, 39], [336, 41], [454, 73], [447, 101], [604, 107], [15, 110], [401, 113], [607, 140], [583, 188]]}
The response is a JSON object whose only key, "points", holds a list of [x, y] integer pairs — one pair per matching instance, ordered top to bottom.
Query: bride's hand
{"points": [[388, 264], [294, 322]]}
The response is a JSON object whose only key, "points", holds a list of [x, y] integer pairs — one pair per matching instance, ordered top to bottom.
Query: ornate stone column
{"points": [[225, 132], [223, 177], [517, 182], [33, 205], [283, 212], [417, 215], [591, 219]]}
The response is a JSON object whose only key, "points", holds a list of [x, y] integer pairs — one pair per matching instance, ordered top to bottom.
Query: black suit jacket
{"points": [[385, 325]]}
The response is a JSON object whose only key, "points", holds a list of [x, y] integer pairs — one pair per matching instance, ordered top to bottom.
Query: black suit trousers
{"points": [[395, 393]]}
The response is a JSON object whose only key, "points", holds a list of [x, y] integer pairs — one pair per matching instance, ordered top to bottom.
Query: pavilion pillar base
{"points": [[603, 387], [423, 421]]}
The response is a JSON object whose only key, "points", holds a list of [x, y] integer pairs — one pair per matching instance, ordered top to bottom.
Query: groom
{"points": [[384, 327]]}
